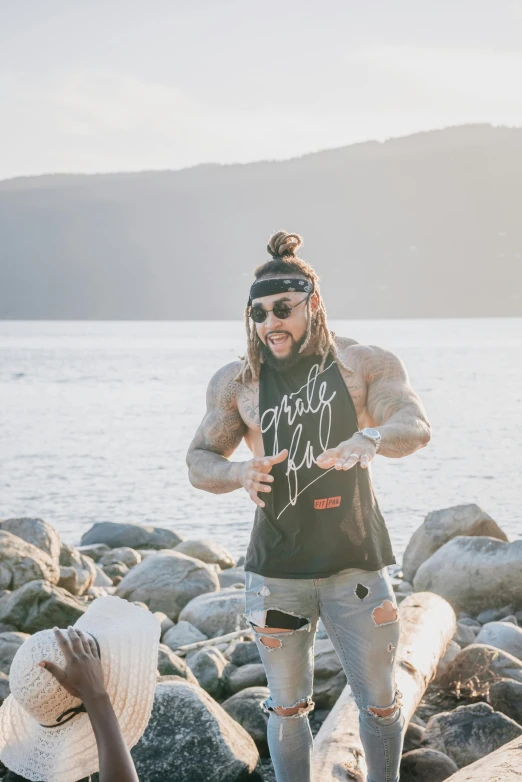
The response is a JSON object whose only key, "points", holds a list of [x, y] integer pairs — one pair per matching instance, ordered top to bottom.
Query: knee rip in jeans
{"points": [[385, 614], [272, 638], [298, 709], [387, 711]]}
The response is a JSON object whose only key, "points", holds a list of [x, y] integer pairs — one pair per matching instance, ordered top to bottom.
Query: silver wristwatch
{"points": [[371, 434]]}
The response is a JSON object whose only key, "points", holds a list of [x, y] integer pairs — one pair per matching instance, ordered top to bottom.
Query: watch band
{"points": [[376, 440]]}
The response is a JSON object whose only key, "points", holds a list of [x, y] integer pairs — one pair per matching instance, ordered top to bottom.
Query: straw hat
{"points": [[128, 639]]}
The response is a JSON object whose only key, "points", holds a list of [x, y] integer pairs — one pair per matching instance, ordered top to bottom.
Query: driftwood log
{"points": [[427, 625], [503, 765]]}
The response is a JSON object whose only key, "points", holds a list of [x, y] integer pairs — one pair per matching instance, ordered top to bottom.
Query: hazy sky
{"points": [[107, 85]]}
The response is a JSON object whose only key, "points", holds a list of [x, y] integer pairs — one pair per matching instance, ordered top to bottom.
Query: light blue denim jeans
{"points": [[359, 613]]}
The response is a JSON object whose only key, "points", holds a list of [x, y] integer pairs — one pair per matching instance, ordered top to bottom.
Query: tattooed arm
{"points": [[393, 405], [218, 436]]}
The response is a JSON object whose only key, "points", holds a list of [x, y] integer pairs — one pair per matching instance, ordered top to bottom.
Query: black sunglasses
{"points": [[281, 310]]}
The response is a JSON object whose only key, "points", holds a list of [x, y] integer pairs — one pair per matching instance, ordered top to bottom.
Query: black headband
{"points": [[262, 288]]}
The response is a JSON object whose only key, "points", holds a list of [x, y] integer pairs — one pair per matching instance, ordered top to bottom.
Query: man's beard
{"points": [[289, 361]]}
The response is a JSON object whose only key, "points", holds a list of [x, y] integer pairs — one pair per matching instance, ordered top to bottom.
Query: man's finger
{"points": [[331, 455], [277, 458], [351, 461], [364, 461], [262, 476], [261, 487], [257, 500], [54, 669]]}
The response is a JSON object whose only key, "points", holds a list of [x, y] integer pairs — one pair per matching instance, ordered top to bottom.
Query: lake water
{"points": [[96, 418]]}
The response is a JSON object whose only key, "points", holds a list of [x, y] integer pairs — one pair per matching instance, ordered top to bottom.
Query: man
{"points": [[314, 409]]}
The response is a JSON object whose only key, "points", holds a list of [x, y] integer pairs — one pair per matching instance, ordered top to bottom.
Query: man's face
{"points": [[282, 337]]}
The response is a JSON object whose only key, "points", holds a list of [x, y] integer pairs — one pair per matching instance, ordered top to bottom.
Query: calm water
{"points": [[95, 420]]}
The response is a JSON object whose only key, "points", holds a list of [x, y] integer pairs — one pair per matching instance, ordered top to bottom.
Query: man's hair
{"points": [[283, 247]]}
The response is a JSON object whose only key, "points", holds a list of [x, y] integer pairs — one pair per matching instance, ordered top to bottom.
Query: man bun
{"points": [[283, 244]]}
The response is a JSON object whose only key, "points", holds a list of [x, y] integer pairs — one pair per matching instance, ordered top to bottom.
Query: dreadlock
{"points": [[283, 246]]}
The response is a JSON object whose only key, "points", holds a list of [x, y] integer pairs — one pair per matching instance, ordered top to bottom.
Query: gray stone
{"points": [[441, 526], [37, 532], [133, 535], [207, 551], [95, 552], [124, 554], [21, 562], [241, 562], [81, 570], [116, 571], [474, 573], [231, 576], [101, 579], [167, 582], [96, 592], [39, 605], [217, 613], [494, 614], [467, 620], [164, 622], [182, 634], [464, 635], [503, 635], [9, 645], [245, 652], [451, 653], [169, 664], [477, 664], [208, 666], [249, 675], [329, 677], [4, 687], [506, 696], [246, 708], [416, 720], [469, 732], [412, 737], [190, 738], [426, 765]]}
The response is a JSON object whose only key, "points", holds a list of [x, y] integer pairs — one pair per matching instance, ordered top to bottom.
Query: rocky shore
{"points": [[207, 721]]}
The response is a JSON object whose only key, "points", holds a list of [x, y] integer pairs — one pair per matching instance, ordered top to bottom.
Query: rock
{"points": [[441, 526], [36, 532], [115, 535], [207, 551], [95, 552], [124, 554], [21, 562], [241, 562], [78, 564], [116, 571], [474, 573], [235, 575], [101, 579], [167, 582], [404, 588], [96, 592], [39, 605], [217, 613], [494, 614], [511, 619], [467, 620], [164, 622], [182, 634], [321, 634], [464, 635], [503, 635], [9, 645], [452, 651], [245, 652], [169, 664], [476, 665], [208, 666], [249, 675], [329, 677], [4, 687], [506, 696], [246, 708], [416, 720], [469, 732], [412, 737], [190, 738], [426, 765]]}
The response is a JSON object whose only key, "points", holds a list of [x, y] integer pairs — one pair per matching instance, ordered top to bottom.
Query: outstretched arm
{"points": [[393, 405]]}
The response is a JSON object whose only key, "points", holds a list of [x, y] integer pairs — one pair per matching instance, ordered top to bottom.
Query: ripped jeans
{"points": [[359, 613]]}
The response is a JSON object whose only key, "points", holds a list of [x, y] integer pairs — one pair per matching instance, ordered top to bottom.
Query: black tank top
{"points": [[315, 522]]}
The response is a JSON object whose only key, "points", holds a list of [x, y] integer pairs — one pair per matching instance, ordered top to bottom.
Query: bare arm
{"points": [[394, 406]]}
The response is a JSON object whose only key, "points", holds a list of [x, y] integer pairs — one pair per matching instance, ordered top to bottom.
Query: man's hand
{"points": [[347, 454], [255, 474], [83, 675]]}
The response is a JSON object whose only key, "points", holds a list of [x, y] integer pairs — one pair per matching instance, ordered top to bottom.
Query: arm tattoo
{"points": [[394, 406], [218, 436]]}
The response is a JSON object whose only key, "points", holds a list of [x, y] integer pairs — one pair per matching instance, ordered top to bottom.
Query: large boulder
{"points": [[439, 527], [37, 532], [114, 535], [207, 551], [95, 552], [124, 554], [21, 562], [77, 570], [474, 573], [234, 575], [101, 579], [167, 582], [39, 605], [218, 613], [182, 634], [464, 634], [503, 635], [9, 645], [244, 653], [451, 653], [169, 664], [476, 666], [209, 667], [250, 675], [329, 677], [506, 696], [246, 707], [469, 732], [413, 737], [190, 738], [426, 765]]}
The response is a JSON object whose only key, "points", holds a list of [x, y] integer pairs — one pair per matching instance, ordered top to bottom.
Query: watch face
{"points": [[372, 433]]}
